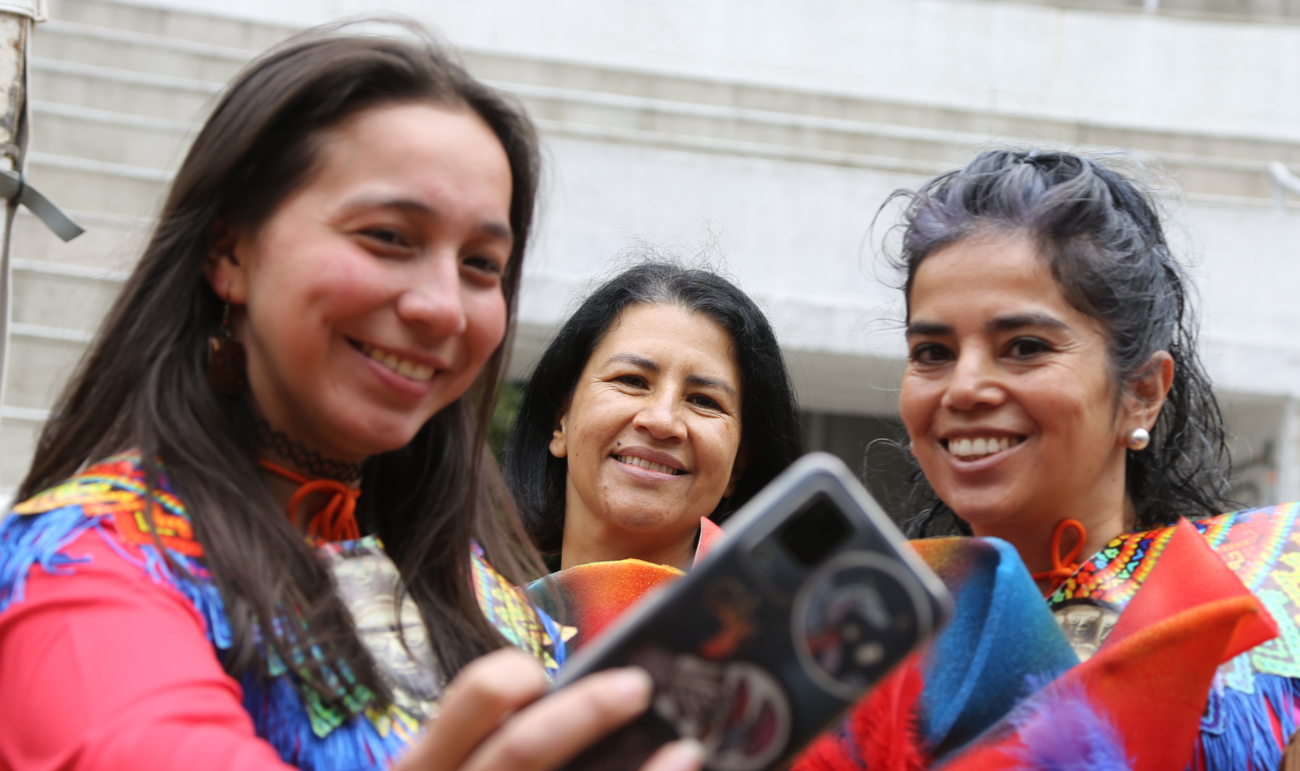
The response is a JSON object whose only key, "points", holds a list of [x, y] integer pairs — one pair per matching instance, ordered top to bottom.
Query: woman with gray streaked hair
{"points": [[1057, 409]]}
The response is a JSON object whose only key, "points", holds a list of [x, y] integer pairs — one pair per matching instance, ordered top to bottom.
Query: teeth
{"points": [[403, 367], [971, 449], [643, 463]]}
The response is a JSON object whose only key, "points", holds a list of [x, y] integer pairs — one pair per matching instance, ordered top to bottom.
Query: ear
{"points": [[226, 273], [1147, 393], [559, 439], [737, 470]]}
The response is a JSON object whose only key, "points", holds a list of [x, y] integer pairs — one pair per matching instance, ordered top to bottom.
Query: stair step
{"points": [[171, 23], [119, 49], [116, 90], [111, 137], [80, 183], [108, 243], [60, 302], [38, 368], [18, 434]]}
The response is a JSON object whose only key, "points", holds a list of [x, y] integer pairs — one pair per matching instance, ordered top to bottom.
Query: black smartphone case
{"points": [[811, 599]]}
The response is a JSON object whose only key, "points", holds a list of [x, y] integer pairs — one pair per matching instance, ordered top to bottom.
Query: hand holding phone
{"points": [[809, 601]]}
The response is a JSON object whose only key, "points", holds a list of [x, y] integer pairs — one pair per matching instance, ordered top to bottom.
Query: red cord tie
{"points": [[337, 521], [1063, 567]]}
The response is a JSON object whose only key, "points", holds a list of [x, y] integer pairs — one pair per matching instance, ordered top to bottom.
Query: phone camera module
{"points": [[815, 532]]}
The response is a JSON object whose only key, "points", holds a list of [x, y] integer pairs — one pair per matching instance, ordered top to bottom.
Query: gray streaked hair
{"points": [[1103, 242]]}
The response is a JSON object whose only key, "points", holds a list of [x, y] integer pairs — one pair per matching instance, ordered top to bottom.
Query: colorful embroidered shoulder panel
{"points": [[116, 488], [1261, 546], [508, 609], [306, 730]]}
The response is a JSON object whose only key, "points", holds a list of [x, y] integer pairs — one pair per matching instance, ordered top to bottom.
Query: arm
{"points": [[106, 669]]}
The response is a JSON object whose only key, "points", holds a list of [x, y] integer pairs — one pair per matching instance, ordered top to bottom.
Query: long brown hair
{"points": [[143, 385]]}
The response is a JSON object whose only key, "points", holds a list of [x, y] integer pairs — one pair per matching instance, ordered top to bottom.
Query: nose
{"points": [[433, 299], [974, 383], [661, 418]]}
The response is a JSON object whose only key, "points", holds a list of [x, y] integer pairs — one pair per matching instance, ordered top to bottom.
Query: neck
{"points": [[276, 447], [281, 449], [1098, 501], [1032, 538], [584, 544]]}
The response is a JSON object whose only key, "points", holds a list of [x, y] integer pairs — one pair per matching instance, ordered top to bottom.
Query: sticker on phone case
{"points": [[728, 601], [853, 620], [735, 709]]}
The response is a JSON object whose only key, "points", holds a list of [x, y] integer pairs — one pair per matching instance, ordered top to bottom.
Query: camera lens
{"points": [[815, 532]]}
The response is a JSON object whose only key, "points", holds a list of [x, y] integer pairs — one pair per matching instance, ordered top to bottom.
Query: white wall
{"points": [[1128, 69]]}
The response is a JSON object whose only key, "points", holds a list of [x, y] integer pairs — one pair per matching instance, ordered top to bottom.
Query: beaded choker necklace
{"points": [[310, 461]]}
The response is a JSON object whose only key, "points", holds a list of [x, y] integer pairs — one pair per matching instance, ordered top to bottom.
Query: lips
{"points": [[405, 367], [974, 448], [643, 463]]}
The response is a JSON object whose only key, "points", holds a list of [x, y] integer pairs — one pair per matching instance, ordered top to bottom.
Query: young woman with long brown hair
{"points": [[258, 526]]}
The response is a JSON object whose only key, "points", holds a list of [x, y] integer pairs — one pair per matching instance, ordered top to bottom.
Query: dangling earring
{"points": [[227, 368], [1138, 439]]}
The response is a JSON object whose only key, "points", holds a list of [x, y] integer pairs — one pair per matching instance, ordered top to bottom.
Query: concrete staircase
{"points": [[118, 91]]}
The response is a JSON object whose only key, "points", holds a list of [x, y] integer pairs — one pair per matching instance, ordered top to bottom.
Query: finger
{"points": [[473, 706], [557, 728], [684, 755]]}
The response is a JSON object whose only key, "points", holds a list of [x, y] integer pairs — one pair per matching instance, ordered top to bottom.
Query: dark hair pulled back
{"points": [[1102, 239], [142, 385], [769, 416]]}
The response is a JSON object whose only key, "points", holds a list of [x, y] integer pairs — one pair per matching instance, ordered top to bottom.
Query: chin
{"points": [[376, 438], [981, 511], [645, 519]]}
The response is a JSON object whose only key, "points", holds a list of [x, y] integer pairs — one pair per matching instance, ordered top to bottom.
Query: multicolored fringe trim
{"points": [[276, 708], [302, 727], [1242, 730]]}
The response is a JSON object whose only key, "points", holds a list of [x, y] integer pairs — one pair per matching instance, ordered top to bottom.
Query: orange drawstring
{"points": [[337, 521], [1063, 567]]}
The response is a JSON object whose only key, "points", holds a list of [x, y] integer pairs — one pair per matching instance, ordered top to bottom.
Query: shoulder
{"points": [[114, 491], [130, 519], [1255, 542], [511, 611]]}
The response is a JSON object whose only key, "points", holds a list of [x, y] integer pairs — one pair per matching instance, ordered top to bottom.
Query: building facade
{"points": [[761, 138]]}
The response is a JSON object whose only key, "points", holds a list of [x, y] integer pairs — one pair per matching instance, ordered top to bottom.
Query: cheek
{"points": [[486, 324], [916, 406], [591, 425], [718, 449]]}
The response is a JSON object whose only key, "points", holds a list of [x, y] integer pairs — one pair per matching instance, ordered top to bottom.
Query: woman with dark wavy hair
{"points": [[1055, 403], [662, 405], [257, 529]]}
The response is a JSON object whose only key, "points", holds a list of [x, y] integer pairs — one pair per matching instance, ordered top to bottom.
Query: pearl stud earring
{"points": [[1138, 439]]}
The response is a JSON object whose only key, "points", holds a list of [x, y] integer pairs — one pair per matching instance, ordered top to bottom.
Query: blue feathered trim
{"points": [[38, 540], [195, 585], [278, 712], [1061, 730], [1243, 736]]}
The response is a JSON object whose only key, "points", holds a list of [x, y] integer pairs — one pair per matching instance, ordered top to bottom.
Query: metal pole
{"points": [[15, 34]]}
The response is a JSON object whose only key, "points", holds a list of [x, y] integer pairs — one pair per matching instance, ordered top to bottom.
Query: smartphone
{"points": [[810, 599]]}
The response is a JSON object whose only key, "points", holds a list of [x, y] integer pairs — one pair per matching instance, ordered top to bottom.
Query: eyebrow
{"points": [[493, 228], [1022, 320], [1000, 324], [647, 364], [708, 382]]}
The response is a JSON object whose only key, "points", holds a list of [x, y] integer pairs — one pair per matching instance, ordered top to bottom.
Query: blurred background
{"points": [[760, 137]]}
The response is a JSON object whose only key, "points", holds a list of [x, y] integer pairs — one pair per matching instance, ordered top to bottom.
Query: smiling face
{"points": [[372, 297], [1007, 397], [651, 437]]}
